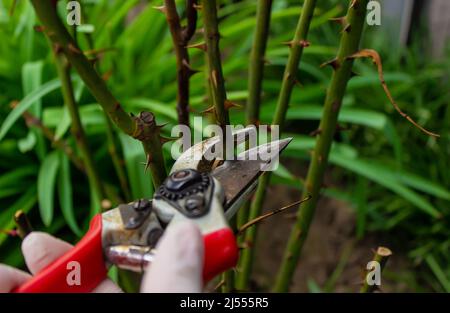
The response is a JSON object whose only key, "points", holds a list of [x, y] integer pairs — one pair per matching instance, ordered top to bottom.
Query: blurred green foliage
{"points": [[395, 177]]}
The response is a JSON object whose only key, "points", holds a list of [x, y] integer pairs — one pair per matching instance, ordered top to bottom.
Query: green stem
{"points": [[62, 40], [296, 51], [257, 60], [214, 64], [63, 69], [343, 69], [255, 77], [289, 80], [33, 121], [116, 159], [381, 256], [246, 257], [229, 276], [228, 282]]}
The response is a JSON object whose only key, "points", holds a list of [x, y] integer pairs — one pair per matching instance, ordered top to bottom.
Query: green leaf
{"points": [[86, 28], [31, 81], [26, 103], [154, 106], [91, 114], [64, 121], [63, 124], [27, 144], [346, 157], [283, 172], [16, 176], [384, 176], [141, 184], [423, 184], [46, 187], [65, 194], [95, 202], [24, 203], [438, 272], [313, 287]]}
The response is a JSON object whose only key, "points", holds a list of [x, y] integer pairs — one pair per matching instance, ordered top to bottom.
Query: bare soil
{"points": [[331, 241]]}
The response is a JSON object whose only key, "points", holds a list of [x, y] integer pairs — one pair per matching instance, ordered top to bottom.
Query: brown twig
{"points": [[13, 6], [191, 16], [180, 37], [372, 54], [215, 81], [33, 121], [261, 218], [23, 224], [219, 285]]}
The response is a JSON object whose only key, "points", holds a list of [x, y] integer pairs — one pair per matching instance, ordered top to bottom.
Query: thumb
{"points": [[178, 263]]}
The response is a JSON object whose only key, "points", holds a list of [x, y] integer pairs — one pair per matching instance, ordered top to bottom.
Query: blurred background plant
{"points": [[394, 177]]}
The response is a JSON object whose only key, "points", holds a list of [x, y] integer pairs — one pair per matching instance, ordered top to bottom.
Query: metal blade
{"points": [[238, 177]]}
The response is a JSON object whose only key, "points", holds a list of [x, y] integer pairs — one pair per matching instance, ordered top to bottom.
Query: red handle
{"points": [[221, 252], [85, 261]]}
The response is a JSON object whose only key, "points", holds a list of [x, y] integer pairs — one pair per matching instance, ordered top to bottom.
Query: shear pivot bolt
{"points": [[194, 204]]}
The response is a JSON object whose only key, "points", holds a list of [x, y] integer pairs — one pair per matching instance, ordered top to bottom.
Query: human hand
{"points": [[177, 266]]}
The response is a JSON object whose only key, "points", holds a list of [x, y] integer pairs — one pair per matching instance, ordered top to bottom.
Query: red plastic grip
{"points": [[221, 252], [89, 255]]}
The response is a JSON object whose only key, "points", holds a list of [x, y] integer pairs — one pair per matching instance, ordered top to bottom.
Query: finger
{"points": [[41, 249], [178, 263], [11, 278], [107, 286]]}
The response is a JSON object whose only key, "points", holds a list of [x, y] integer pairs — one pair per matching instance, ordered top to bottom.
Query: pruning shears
{"points": [[207, 192]]}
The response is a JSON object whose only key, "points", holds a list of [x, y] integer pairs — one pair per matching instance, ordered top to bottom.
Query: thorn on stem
{"points": [[353, 4], [161, 8], [340, 20], [39, 28], [347, 28], [301, 43], [304, 43], [202, 46], [57, 48], [73, 48], [267, 61], [333, 63], [191, 71], [354, 74], [107, 75], [214, 78], [294, 80], [229, 104], [336, 105], [208, 110], [165, 140], [148, 162]]}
